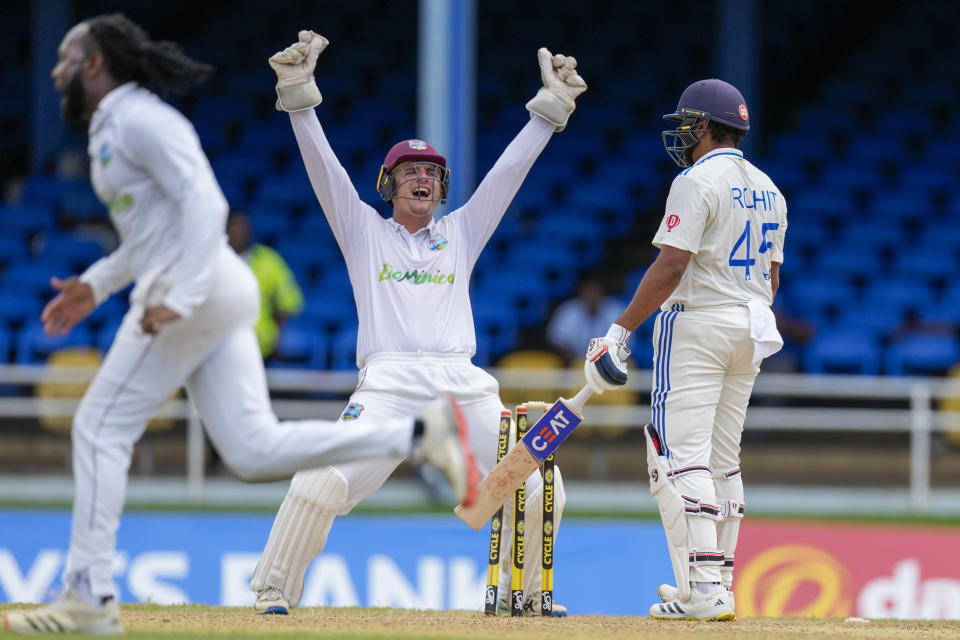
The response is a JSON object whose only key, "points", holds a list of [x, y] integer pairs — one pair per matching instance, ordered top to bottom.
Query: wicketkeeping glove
{"points": [[561, 85], [296, 88], [606, 364]]}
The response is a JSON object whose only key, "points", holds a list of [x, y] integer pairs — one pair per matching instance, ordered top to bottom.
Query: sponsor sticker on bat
{"points": [[550, 431]]}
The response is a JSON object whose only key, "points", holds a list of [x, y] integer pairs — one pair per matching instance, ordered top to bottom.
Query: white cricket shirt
{"points": [[148, 168], [733, 219], [412, 290]]}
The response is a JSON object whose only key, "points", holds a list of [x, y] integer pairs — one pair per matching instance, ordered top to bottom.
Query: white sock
{"points": [[708, 587]]}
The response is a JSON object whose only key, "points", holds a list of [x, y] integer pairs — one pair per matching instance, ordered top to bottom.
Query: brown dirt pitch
{"points": [[150, 621]]}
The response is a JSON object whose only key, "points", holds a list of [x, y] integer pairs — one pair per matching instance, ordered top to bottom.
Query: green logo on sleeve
{"points": [[414, 276]]}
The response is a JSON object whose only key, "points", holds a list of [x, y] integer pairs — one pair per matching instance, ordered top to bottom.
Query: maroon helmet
{"points": [[410, 154]]}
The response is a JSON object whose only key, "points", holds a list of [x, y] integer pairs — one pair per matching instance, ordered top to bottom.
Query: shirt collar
{"points": [[108, 103], [721, 151], [430, 229]]}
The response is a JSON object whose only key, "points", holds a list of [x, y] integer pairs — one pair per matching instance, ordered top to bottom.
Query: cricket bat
{"points": [[541, 441]]}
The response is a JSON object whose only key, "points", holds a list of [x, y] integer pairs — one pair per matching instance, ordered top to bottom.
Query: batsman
{"points": [[721, 245], [410, 276]]}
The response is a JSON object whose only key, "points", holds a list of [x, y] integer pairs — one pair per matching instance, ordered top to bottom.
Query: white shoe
{"points": [[444, 446], [668, 592], [271, 601], [716, 605], [67, 614]]}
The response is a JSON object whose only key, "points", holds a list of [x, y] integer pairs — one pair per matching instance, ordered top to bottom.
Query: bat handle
{"points": [[576, 402]]}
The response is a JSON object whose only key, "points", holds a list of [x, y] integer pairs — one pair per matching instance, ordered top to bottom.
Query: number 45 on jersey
{"points": [[744, 239]]}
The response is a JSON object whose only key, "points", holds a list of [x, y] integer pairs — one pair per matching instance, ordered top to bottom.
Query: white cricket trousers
{"points": [[214, 354], [702, 379], [398, 386], [393, 389]]}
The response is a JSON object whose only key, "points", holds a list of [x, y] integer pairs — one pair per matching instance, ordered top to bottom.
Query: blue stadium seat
{"points": [[819, 117], [903, 121], [801, 145], [943, 152], [846, 175], [927, 179], [45, 189], [290, 190], [79, 202], [819, 204], [900, 207], [26, 218], [271, 225], [876, 236], [13, 247], [71, 249], [847, 262], [925, 264], [34, 276], [899, 293], [525, 296], [817, 296], [18, 307], [110, 311], [329, 312], [873, 321], [496, 323], [103, 338], [5, 343], [34, 346], [300, 348], [845, 350], [343, 352], [922, 354]]}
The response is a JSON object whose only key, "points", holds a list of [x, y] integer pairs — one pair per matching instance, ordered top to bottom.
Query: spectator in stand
{"points": [[280, 295], [582, 317]]}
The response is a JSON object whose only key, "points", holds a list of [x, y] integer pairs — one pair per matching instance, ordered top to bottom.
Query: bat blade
{"points": [[541, 440]]}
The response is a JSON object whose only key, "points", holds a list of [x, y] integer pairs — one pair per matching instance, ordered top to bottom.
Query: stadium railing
{"points": [[915, 396]]}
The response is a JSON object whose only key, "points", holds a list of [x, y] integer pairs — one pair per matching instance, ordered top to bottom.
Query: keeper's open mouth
{"points": [[421, 192]]}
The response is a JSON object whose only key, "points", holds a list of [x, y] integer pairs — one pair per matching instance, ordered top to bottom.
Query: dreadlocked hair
{"points": [[131, 56]]}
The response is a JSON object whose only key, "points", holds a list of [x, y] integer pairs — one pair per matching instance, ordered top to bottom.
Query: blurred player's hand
{"points": [[561, 85], [296, 88], [74, 303], [155, 317], [605, 366]]}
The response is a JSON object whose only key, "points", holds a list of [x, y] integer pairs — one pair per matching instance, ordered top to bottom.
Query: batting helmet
{"points": [[702, 102], [407, 152]]}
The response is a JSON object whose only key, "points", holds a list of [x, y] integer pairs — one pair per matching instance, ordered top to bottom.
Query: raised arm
{"points": [[297, 93], [549, 110]]}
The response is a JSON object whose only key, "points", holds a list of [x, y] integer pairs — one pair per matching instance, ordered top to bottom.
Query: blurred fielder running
{"points": [[721, 246], [410, 278], [191, 319]]}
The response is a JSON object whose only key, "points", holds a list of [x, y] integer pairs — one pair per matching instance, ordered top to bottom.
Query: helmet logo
{"points": [[743, 112], [420, 145], [672, 221]]}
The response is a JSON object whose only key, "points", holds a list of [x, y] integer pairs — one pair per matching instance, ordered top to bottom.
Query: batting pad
{"points": [[729, 487], [672, 513], [300, 531]]}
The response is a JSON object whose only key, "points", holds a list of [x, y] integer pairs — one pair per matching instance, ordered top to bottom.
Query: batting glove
{"points": [[561, 85], [296, 88], [606, 364]]}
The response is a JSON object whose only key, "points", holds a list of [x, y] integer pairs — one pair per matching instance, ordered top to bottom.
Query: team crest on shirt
{"points": [[417, 145], [106, 154], [672, 221], [437, 242], [352, 412]]}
